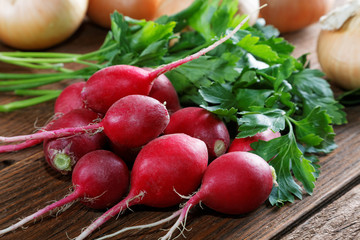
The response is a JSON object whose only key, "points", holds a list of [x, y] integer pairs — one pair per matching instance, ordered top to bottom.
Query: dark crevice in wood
{"points": [[6, 163], [336, 195]]}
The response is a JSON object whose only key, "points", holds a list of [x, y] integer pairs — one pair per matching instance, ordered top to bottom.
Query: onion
{"points": [[250, 8], [99, 10], [293, 15], [39, 24], [337, 47]]}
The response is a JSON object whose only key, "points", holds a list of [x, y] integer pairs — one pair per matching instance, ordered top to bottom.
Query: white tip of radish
{"points": [[219, 147], [273, 173]]}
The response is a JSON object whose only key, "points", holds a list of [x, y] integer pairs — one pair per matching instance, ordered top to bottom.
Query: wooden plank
{"points": [[338, 220]]}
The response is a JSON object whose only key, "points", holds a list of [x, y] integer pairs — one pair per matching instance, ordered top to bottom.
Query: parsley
{"points": [[251, 80]]}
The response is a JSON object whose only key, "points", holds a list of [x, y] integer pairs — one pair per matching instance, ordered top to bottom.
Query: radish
{"points": [[110, 84], [163, 90], [70, 98], [131, 122], [200, 123], [244, 144], [63, 153], [166, 167], [100, 179], [234, 183]]}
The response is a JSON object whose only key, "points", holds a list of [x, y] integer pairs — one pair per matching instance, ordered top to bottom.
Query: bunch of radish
{"points": [[137, 113]]}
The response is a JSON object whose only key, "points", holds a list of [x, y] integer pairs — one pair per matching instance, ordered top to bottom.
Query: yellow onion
{"points": [[293, 15], [39, 24], [337, 47]]}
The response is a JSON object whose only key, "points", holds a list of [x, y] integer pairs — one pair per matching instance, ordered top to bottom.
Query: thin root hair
{"points": [[183, 196], [154, 224]]}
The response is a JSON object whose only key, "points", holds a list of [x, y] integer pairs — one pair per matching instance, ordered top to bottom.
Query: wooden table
{"points": [[28, 184]]}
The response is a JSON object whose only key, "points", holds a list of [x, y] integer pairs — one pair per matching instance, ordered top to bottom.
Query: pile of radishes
{"points": [[128, 118]]}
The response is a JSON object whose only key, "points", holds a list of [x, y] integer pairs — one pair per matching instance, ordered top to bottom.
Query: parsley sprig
{"points": [[251, 81]]}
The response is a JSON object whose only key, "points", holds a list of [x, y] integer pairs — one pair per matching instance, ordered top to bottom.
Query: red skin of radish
{"points": [[110, 84], [163, 90], [70, 98], [135, 120], [200, 123], [243, 144], [72, 148], [127, 154], [169, 163], [101, 170], [100, 179], [236, 183]]}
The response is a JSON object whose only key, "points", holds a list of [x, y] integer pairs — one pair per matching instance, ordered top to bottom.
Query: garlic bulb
{"points": [[38, 24], [338, 47]]}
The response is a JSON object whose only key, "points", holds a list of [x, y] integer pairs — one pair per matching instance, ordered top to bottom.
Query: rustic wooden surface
{"points": [[28, 184]]}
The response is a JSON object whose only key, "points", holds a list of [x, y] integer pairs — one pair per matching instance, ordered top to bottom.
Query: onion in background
{"points": [[293, 15], [39, 24]]}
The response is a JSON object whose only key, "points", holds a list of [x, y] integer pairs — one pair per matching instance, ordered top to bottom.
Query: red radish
{"points": [[112, 83], [163, 90], [70, 98], [131, 122], [200, 123], [243, 144], [63, 153], [166, 167], [100, 179], [234, 183]]}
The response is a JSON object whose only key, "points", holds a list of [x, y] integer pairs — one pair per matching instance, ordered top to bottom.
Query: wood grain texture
{"points": [[27, 183], [338, 220]]}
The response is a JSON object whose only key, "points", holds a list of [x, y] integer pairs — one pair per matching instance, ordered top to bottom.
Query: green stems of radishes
{"points": [[50, 61], [28, 102]]}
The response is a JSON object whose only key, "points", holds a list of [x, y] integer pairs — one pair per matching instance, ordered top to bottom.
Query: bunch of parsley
{"points": [[251, 80]]}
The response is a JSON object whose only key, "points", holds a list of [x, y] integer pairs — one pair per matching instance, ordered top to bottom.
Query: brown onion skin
{"points": [[99, 10], [292, 15], [339, 54]]}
